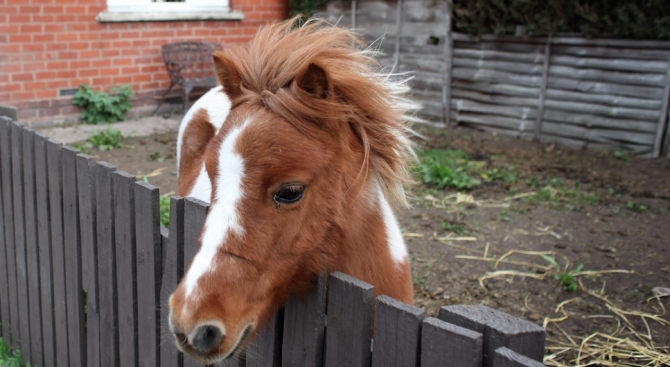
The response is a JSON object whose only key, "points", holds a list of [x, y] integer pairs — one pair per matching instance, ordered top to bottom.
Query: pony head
{"points": [[302, 172]]}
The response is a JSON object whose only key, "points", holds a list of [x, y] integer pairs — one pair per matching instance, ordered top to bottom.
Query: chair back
{"points": [[189, 60]]}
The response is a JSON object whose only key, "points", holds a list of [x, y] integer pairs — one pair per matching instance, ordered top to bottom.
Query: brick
{"points": [[54, 9], [75, 9], [94, 9], [9, 10], [19, 18], [43, 18], [66, 18], [54, 27], [76, 27], [31, 28], [202, 32], [130, 34], [109, 35], [89, 36], [44, 37], [66, 37], [20, 38], [142, 43], [121, 44], [56, 46], [9, 48], [33, 48], [130, 52], [110, 53], [89, 54], [67, 55], [122, 62], [101, 63], [57, 65], [34, 66], [11, 68], [151, 69], [131, 70], [89, 72], [105, 72], [67, 74], [45, 75], [22, 77], [141, 78], [122, 80], [101, 81], [78, 82], [58, 84], [33, 86], [14, 87], [47, 94], [21, 96], [23, 114]]}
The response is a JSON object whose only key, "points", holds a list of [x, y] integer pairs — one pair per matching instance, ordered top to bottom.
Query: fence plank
{"points": [[447, 73], [543, 90], [663, 118], [55, 168], [86, 182], [195, 212], [20, 238], [32, 254], [45, 256], [149, 270], [173, 270], [126, 273], [4, 290], [75, 293], [108, 301], [350, 307], [10, 319], [304, 327], [499, 329], [397, 332], [443, 343], [265, 349], [505, 357]]}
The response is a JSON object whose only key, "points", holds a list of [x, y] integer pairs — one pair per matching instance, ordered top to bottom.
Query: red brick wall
{"points": [[50, 45]]}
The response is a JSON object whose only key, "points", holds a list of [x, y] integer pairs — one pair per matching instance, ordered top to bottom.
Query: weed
{"points": [[103, 108], [103, 139], [156, 156], [622, 156], [446, 168], [508, 174], [532, 182], [613, 193], [638, 208], [165, 210], [503, 216], [452, 227], [566, 278], [10, 361]]}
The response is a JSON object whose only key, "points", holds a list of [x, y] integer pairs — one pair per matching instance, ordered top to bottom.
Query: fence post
{"points": [[353, 14], [398, 34], [448, 66], [543, 89], [663, 119], [55, 168], [86, 182], [105, 203], [124, 226], [20, 238], [32, 254], [45, 255], [7, 262], [173, 270], [149, 271], [304, 327], [76, 329], [499, 330], [349, 335], [397, 335], [443, 343], [265, 349], [505, 357]]}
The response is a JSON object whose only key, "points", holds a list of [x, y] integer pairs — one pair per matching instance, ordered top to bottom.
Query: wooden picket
{"points": [[87, 271]]}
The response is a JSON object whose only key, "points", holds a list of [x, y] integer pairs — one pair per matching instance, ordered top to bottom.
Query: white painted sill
{"points": [[110, 17]]}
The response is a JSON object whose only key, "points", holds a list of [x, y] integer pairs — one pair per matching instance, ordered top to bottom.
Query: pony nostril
{"points": [[181, 338], [206, 338]]}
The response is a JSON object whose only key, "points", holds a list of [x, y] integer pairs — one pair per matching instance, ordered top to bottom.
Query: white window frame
{"points": [[134, 6]]}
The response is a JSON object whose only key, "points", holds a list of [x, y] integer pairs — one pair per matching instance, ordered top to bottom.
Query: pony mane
{"points": [[365, 97]]}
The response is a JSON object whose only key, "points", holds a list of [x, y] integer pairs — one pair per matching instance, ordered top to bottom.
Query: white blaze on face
{"points": [[223, 218], [396, 242]]}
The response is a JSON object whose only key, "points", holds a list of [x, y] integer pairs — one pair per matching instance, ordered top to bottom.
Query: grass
{"points": [[165, 210], [567, 279], [13, 360]]}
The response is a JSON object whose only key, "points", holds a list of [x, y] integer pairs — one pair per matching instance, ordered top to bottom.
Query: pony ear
{"points": [[227, 75], [314, 81]]}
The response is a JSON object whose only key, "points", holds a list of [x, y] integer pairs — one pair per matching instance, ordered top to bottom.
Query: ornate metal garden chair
{"points": [[189, 64]]}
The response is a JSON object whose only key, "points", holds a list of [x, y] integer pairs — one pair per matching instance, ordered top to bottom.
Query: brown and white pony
{"points": [[301, 153]]}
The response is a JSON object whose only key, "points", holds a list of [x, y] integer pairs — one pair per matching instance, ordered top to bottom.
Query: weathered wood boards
{"points": [[397, 333], [447, 344]]}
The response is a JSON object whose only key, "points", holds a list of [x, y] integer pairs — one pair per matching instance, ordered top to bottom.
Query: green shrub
{"points": [[638, 19], [103, 108], [103, 139]]}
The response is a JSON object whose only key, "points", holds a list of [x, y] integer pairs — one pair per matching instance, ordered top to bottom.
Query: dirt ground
{"points": [[620, 236]]}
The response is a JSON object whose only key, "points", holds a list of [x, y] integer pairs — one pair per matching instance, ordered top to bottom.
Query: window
{"points": [[166, 10]]}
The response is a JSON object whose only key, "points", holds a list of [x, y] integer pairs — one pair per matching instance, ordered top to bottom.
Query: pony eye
{"points": [[289, 194]]}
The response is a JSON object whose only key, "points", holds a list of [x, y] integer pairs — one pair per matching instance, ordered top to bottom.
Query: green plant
{"points": [[304, 7], [103, 108], [103, 139], [622, 155], [156, 156], [446, 168], [507, 174], [638, 208], [165, 210], [452, 227], [567, 279], [10, 361]]}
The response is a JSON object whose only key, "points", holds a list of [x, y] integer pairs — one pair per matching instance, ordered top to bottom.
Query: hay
{"points": [[451, 202]]}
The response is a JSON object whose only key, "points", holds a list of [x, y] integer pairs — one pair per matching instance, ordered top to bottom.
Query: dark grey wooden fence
{"points": [[576, 91], [86, 271]]}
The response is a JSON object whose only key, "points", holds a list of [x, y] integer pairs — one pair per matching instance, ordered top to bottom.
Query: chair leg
{"points": [[187, 91], [162, 99]]}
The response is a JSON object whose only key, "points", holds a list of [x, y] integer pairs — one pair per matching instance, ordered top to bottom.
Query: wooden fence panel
{"points": [[55, 168], [86, 183], [195, 212], [20, 238], [32, 255], [45, 256], [173, 270], [149, 271], [126, 273], [75, 293], [108, 300], [9, 303], [350, 309], [304, 327], [499, 329], [397, 333], [443, 344], [265, 349], [505, 357]]}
